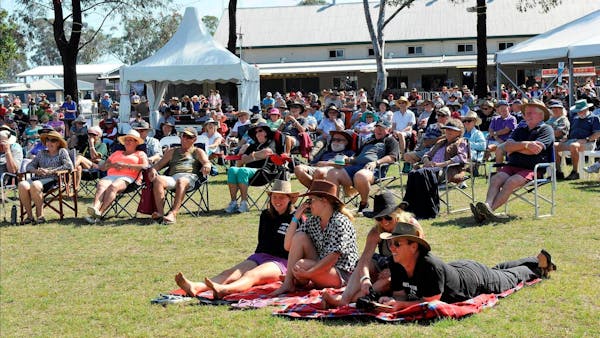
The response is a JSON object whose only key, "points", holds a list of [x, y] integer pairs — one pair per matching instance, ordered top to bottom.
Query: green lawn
{"points": [[70, 279]]}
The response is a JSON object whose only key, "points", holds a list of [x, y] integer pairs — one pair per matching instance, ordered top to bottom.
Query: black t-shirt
{"points": [[542, 133], [257, 147], [271, 234], [433, 277]]}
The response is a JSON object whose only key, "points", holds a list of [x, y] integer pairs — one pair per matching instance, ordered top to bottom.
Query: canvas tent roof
{"points": [[576, 39], [191, 56]]}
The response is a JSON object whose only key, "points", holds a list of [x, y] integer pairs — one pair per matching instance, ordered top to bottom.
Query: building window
{"points": [[505, 45], [465, 48], [415, 50], [371, 52], [336, 53]]}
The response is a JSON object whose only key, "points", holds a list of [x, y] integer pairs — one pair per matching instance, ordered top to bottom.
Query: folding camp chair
{"points": [[8, 186], [450, 187], [59, 194], [126, 198], [200, 201]]}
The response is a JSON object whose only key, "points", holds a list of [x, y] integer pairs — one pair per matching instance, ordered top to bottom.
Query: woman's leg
{"points": [[232, 182], [100, 189], [243, 191], [110, 194], [37, 195], [25, 198], [302, 249], [263, 274], [225, 277], [353, 290]]}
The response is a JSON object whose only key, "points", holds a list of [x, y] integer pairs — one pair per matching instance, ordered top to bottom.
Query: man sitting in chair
{"points": [[529, 144], [184, 163], [359, 170]]}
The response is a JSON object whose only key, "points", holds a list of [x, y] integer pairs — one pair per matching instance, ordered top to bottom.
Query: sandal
{"points": [[156, 216], [169, 218], [41, 220]]}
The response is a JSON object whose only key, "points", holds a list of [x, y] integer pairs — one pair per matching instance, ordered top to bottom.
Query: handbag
{"points": [[147, 205]]}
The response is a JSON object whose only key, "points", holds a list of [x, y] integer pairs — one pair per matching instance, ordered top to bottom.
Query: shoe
{"points": [[406, 168], [594, 168], [560, 175], [572, 176], [463, 185], [362, 206], [232, 207], [243, 207], [92, 211], [485, 211], [479, 218], [41, 220], [92, 220], [549, 267]]}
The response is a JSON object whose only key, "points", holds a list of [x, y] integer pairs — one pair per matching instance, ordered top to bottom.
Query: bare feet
{"points": [[169, 218], [190, 288], [285, 288], [217, 289], [331, 300]]}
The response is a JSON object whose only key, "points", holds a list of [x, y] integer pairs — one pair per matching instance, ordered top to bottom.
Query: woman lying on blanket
{"points": [[323, 251], [269, 260], [372, 270], [418, 276]]}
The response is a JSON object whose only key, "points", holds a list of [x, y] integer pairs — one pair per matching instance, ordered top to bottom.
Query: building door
{"points": [[433, 81]]}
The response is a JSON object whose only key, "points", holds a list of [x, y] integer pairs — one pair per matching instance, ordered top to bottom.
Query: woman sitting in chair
{"points": [[253, 158], [44, 167], [123, 168], [269, 260]]}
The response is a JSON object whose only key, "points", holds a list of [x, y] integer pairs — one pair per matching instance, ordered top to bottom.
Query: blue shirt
{"points": [[584, 127]]}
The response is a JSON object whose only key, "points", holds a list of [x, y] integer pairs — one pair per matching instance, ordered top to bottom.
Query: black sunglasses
{"points": [[52, 140], [386, 217]]}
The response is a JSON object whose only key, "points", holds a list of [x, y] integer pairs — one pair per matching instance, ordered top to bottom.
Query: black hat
{"points": [[297, 105], [255, 109], [263, 125], [384, 204]]}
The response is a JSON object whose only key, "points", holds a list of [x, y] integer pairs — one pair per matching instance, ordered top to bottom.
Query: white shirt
{"points": [[401, 121]]}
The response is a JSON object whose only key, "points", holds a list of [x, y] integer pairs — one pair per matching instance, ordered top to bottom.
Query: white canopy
{"points": [[576, 39], [191, 56]]}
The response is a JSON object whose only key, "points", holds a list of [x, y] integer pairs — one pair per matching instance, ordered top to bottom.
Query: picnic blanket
{"points": [[427, 311]]}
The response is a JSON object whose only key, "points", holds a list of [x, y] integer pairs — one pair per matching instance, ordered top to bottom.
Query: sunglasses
{"points": [[441, 115], [468, 121], [260, 131], [187, 136], [52, 140], [338, 140], [386, 217], [395, 243]]}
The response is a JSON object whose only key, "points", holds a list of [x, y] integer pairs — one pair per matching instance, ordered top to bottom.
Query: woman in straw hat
{"points": [[476, 138], [44, 167], [123, 167], [322, 247], [269, 260], [372, 273], [418, 276]]}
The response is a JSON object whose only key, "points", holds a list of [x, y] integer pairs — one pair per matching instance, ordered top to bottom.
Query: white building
{"points": [[427, 45]]}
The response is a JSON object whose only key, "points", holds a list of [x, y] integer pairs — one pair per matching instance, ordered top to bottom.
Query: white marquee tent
{"points": [[191, 56]]}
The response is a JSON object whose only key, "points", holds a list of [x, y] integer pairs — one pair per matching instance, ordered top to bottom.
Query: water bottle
{"points": [[13, 215]]}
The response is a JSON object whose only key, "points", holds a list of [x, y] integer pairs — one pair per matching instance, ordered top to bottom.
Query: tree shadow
{"points": [[591, 186], [469, 222]]}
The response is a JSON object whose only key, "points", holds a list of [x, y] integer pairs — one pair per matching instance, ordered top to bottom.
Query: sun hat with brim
{"points": [[386, 102], [539, 104], [555, 104], [297, 105], [580, 105], [333, 108], [255, 109], [274, 111], [444, 111], [243, 112], [471, 115], [79, 119], [211, 120], [383, 123], [141, 125], [262, 125], [7, 128], [95, 130], [191, 131], [343, 133], [131, 134], [56, 135], [10, 138], [283, 187], [323, 188], [383, 204], [408, 231]]}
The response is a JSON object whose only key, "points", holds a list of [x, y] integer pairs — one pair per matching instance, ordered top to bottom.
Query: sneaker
{"points": [[406, 168], [594, 168], [560, 175], [572, 176], [463, 185], [232, 207], [243, 207], [485, 210], [92, 211], [91, 220]]}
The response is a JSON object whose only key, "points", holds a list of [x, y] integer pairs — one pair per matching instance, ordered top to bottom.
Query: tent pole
{"points": [[498, 80], [511, 82], [571, 84]]}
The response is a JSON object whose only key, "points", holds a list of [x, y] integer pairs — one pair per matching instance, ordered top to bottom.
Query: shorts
{"points": [[588, 146], [351, 170], [510, 170], [240, 175], [114, 178], [172, 180], [47, 182], [261, 258], [380, 262]]}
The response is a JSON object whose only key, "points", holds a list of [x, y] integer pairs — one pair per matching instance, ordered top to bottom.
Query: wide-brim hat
{"points": [[403, 99], [384, 101], [539, 104], [555, 104], [297, 105], [580, 105], [334, 108], [255, 109], [274, 111], [445, 111], [472, 115], [80, 119], [211, 120], [167, 123], [141, 125], [263, 125], [95, 130], [343, 133], [131, 134], [56, 135], [283, 187], [323, 188], [384, 204], [409, 231]]}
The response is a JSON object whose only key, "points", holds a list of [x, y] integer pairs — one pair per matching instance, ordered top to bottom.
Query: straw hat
{"points": [[539, 104], [472, 115], [131, 134], [56, 135], [283, 187], [323, 188], [409, 231]]}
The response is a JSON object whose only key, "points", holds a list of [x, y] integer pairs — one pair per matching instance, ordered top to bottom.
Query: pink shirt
{"points": [[134, 158]]}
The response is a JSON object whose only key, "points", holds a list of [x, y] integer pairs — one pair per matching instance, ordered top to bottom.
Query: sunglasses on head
{"points": [[386, 217]]}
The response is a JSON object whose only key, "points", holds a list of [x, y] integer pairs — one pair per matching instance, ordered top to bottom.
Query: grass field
{"points": [[71, 279]]}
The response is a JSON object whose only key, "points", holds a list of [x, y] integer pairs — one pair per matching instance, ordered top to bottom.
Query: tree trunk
{"points": [[232, 26], [378, 47], [68, 49], [70, 75], [481, 84]]}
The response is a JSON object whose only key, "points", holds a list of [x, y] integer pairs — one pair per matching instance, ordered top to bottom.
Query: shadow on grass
{"points": [[591, 186], [469, 222]]}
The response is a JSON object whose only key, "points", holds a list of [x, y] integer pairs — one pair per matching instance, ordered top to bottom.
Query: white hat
{"points": [[11, 139]]}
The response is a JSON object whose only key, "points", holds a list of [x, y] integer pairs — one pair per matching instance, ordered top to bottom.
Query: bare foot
{"points": [[169, 218], [190, 288], [285, 288], [217, 289], [331, 301]]}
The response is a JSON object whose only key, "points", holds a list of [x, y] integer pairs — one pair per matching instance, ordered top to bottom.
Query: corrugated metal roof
{"points": [[424, 20], [91, 69], [47, 85]]}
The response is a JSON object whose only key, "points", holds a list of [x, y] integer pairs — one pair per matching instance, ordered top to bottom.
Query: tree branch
{"points": [[404, 5], [99, 28]]}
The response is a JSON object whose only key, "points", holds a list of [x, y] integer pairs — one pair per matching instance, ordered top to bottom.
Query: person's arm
{"points": [[203, 158], [13, 160], [153, 172], [294, 225], [362, 267], [398, 300]]}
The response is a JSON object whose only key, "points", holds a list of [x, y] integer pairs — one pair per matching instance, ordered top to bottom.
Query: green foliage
{"points": [[312, 2], [544, 5], [211, 23], [143, 37], [12, 57], [68, 279]]}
